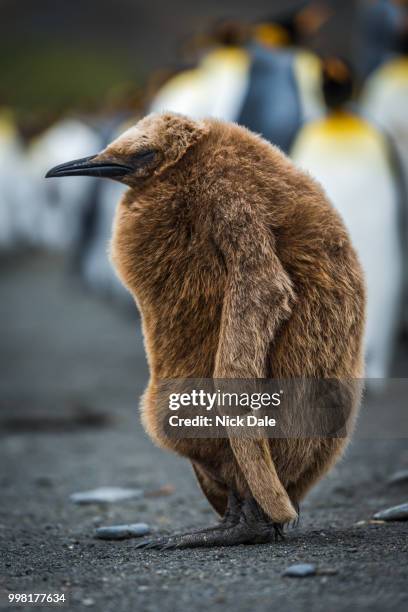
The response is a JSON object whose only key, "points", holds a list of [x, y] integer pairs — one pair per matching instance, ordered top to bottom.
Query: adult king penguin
{"points": [[376, 33], [255, 76], [284, 87], [384, 100], [352, 160], [59, 212], [241, 268]]}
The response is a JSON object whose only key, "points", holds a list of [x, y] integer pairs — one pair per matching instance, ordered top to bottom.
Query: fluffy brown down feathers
{"points": [[241, 268]]}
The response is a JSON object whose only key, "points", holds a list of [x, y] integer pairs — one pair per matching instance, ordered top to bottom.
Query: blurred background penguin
{"points": [[378, 22], [255, 74], [284, 84], [216, 85], [385, 94], [384, 101], [352, 160], [59, 213], [14, 218], [90, 256]]}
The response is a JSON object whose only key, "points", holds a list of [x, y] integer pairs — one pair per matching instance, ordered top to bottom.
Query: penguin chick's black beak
{"points": [[90, 166]]}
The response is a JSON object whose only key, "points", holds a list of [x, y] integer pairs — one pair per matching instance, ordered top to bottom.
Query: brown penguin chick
{"points": [[241, 268]]}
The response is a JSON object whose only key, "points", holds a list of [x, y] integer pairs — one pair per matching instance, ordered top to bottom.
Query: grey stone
{"points": [[399, 477], [105, 495], [396, 513], [122, 532], [300, 570], [327, 571], [88, 601]]}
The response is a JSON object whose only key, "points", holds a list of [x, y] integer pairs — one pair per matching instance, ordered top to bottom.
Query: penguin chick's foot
{"points": [[243, 523]]}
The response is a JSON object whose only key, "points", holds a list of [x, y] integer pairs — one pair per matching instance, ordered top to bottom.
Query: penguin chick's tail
{"points": [[256, 464]]}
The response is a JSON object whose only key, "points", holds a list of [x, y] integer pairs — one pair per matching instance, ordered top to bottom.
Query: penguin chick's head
{"points": [[144, 151]]}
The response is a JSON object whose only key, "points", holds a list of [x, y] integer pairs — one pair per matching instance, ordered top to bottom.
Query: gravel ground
{"points": [[72, 369]]}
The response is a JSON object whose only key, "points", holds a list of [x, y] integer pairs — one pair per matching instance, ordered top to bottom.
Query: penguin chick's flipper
{"points": [[258, 298], [244, 523]]}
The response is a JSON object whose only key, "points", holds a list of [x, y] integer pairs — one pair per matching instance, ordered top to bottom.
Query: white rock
{"points": [[105, 495], [395, 513], [122, 532], [300, 570]]}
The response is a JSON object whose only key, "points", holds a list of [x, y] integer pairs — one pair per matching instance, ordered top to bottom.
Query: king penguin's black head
{"points": [[301, 21], [402, 38], [337, 82]]}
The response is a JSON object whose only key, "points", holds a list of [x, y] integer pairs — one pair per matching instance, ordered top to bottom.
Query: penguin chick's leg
{"points": [[244, 523]]}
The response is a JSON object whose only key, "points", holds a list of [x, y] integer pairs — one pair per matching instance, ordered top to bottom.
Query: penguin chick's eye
{"points": [[142, 158]]}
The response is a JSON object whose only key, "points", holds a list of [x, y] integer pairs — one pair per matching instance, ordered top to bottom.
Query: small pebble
{"points": [[399, 477], [43, 481], [105, 495], [396, 513], [122, 532], [300, 570], [327, 571], [88, 601]]}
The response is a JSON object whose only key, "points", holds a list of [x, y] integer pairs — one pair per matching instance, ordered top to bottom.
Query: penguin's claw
{"points": [[244, 523], [295, 523], [218, 536], [158, 542], [152, 543]]}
